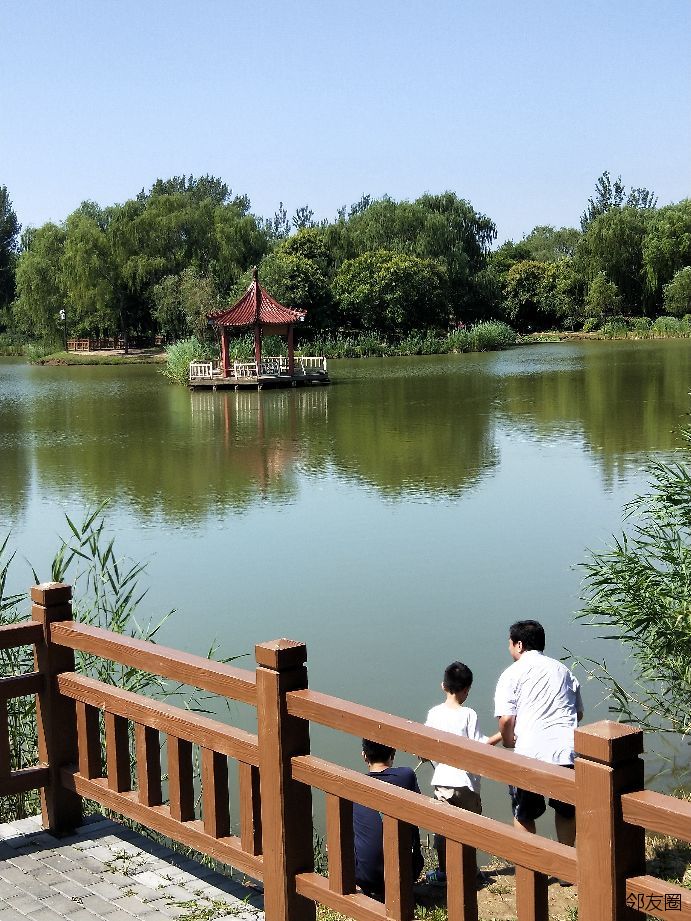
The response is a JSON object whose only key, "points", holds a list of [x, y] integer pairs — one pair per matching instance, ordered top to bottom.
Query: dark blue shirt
{"points": [[368, 831]]}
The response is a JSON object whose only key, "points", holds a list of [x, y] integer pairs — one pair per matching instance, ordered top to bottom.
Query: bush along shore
{"points": [[483, 337]]}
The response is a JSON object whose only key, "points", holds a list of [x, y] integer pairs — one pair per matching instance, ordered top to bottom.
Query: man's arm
{"points": [[506, 729]]}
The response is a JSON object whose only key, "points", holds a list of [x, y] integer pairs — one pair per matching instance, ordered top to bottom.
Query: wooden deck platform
{"points": [[243, 375]]}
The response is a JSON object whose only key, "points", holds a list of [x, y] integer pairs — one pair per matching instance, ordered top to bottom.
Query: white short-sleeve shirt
{"points": [[545, 698], [463, 722]]}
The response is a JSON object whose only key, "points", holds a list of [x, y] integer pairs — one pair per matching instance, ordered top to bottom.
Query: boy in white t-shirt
{"points": [[451, 784]]}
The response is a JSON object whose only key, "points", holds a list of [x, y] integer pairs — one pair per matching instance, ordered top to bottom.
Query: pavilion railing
{"points": [[277, 774]]}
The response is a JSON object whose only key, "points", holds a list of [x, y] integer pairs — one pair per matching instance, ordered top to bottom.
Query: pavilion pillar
{"points": [[258, 347], [291, 352], [225, 359]]}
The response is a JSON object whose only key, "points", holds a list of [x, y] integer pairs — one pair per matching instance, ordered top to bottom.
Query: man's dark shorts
{"points": [[528, 806]]}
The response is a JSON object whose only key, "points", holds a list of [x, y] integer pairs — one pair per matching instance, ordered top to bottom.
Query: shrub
{"points": [[677, 294], [591, 324], [640, 325], [666, 326], [616, 328], [491, 335], [181, 353]]}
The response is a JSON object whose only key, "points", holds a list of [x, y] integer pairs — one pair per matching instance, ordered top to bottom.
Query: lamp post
{"points": [[63, 317]]}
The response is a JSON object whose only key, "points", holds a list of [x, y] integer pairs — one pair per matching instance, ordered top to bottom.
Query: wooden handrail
{"points": [[21, 634], [183, 667], [21, 685], [182, 724], [445, 747], [24, 779], [666, 815], [228, 850], [530, 851], [643, 889]]}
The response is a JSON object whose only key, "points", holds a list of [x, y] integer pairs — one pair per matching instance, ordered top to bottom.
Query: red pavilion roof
{"points": [[256, 306]]}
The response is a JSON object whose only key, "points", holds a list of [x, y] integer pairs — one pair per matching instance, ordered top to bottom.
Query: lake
{"points": [[397, 520]]}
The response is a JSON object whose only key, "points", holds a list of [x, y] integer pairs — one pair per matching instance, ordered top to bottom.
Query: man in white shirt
{"points": [[538, 703]]}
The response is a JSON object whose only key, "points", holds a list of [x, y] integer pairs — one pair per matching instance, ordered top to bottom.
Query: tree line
{"points": [[160, 262]]}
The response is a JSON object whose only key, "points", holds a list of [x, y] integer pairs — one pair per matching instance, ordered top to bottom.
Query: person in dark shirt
{"points": [[368, 827]]}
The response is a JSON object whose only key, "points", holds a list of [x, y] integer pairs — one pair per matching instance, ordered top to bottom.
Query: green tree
{"points": [[609, 195], [9, 234], [547, 244], [613, 244], [667, 245], [41, 290], [391, 293], [677, 294], [536, 295], [603, 298], [183, 302], [639, 592]]}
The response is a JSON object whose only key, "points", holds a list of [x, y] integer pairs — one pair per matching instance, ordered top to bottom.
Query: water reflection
{"points": [[403, 427]]}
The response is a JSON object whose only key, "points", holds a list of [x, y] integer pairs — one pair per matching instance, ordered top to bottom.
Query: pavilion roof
{"points": [[256, 306]]}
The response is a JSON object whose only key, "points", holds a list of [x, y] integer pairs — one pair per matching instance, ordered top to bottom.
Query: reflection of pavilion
{"points": [[258, 311], [262, 438]]}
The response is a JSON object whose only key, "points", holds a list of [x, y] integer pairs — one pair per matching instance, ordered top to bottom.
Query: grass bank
{"points": [[633, 328], [135, 357]]}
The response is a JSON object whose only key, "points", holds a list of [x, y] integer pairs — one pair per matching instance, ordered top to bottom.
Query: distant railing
{"points": [[95, 345], [245, 368], [203, 370], [276, 775]]}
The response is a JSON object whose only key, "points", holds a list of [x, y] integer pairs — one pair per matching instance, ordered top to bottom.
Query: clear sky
{"points": [[515, 106]]}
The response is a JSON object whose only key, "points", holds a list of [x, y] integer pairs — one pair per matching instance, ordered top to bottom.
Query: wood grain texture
{"points": [[24, 633], [205, 674], [20, 685], [56, 718], [194, 727], [89, 740], [148, 747], [445, 747], [117, 753], [5, 756], [31, 778], [180, 779], [215, 799], [250, 808], [666, 815], [159, 818], [478, 831], [339, 840], [608, 849], [398, 869], [650, 886], [461, 888], [531, 895], [357, 906]]}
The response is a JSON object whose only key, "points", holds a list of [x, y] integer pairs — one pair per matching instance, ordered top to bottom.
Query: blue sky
{"points": [[515, 106]]}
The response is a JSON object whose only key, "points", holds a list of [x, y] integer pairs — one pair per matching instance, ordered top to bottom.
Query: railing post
{"points": [[56, 718], [286, 806], [609, 851]]}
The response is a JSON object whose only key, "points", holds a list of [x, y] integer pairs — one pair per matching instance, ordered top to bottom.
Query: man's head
{"points": [[524, 636], [457, 680], [376, 753]]}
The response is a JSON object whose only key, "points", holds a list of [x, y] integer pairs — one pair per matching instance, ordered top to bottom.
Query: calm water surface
{"points": [[395, 521]]}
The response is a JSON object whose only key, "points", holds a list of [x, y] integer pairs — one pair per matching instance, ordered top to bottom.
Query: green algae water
{"points": [[397, 520]]}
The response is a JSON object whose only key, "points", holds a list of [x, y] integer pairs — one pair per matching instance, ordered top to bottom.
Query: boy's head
{"points": [[524, 636], [457, 679], [376, 753]]}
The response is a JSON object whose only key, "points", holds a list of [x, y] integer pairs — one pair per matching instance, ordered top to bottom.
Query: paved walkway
{"points": [[106, 872]]}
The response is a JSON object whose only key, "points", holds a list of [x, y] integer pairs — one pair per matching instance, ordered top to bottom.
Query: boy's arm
{"points": [[495, 739]]}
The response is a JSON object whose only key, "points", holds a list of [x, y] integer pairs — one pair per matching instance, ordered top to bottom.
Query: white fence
{"points": [[270, 365]]}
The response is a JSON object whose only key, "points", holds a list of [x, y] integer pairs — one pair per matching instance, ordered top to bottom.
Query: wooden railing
{"points": [[94, 345], [203, 370], [277, 773]]}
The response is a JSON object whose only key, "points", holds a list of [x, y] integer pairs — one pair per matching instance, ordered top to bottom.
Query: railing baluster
{"points": [[88, 740], [4, 742], [118, 753], [148, 765], [180, 779], [215, 803], [250, 808], [339, 838], [398, 869], [461, 888], [531, 895]]}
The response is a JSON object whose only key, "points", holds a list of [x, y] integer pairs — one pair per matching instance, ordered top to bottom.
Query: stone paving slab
{"points": [[107, 872]]}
